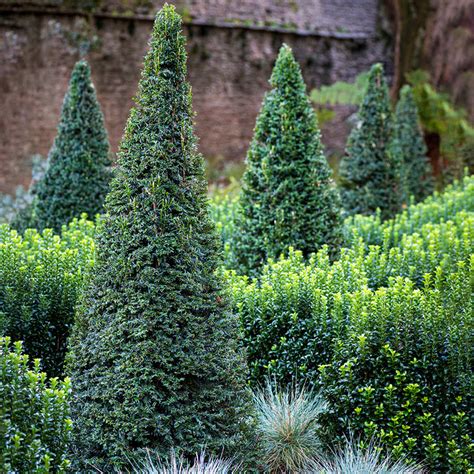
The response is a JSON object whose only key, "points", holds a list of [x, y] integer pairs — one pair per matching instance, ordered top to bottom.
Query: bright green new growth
{"points": [[410, 150], [369, 174], [77, 177], [288, 197], [42, 276], [154, 358], [34, 415]]}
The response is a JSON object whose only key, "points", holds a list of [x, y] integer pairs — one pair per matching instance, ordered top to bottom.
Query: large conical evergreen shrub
{"points": [[410, 150], [369, 173], [77, 177], [288, 197], [154, 358]]}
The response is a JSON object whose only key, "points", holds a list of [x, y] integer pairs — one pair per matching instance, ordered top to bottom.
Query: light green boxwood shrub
{"points": [[436, 208], [41, 276], [410, 298], [292, 313], [403, 371], [34, 415]]}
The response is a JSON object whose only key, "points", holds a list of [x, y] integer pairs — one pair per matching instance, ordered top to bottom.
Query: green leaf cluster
{"points": [[369, 173], [416, 175], [77, 178], [288, 196], [437, 208], [224, 210], [41, 277], [411, 292], [154, 357], [403, 372], [34, 415]]}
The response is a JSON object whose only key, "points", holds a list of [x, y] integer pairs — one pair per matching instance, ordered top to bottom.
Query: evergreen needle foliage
{"points": [[410, 149], [369, 174], [77, 177], [288, 196], [154, 358]]}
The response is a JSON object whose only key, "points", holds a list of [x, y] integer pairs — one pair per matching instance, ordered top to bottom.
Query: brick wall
{"points": [[229, 67]]}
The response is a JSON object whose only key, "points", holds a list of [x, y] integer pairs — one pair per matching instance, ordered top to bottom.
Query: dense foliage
{"points": [[369, 174], [416, 174], [76, 180], [288, 196], [436, 208], [224, 211], [41, 276], [410, 295], [359, 331], [154, 358], [403, 371], [34, 415]]}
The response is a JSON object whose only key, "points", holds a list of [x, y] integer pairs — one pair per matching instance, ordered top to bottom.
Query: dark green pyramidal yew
{"points": [[410, 149], [369, 173], [78, 175], [288, 196], [154, 357]]}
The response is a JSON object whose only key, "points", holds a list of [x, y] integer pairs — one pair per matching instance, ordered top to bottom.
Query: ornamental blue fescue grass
{"points": [[288, 426], [353, 459], [202, 464]]}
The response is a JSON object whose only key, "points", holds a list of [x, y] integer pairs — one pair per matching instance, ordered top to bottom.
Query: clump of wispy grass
{"points": [[287, 426], [352, 459], [178, 465]]}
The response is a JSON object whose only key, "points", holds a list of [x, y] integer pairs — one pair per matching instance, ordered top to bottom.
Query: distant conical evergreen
{"points": [[410, 150], [369, 174], [77, 177], [288, 197], [154, 356]]}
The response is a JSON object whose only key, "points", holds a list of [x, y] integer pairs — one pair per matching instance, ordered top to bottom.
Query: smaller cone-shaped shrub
{"points": [[410, 150], [369, 174], [77, 177], [288, 197], [154, 358]]}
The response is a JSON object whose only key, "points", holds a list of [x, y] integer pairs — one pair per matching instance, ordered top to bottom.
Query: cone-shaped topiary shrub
{"points": [[410, 150], [369, 174], [77, 177], [288, 197], [154, 358]]}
